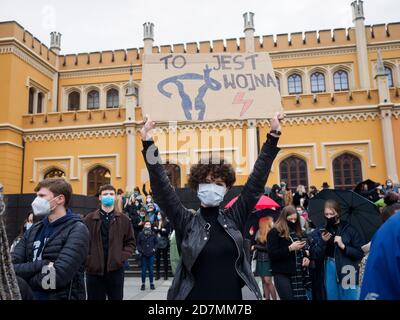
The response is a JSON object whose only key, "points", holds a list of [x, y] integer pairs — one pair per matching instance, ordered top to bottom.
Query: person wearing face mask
{"points": [[390, 187], [151, 212], [138, 220], [28, 223], [162, 229], [112, 242], [58, 243], [339, 244], [147, 245], [289, 258], [212, 264]]}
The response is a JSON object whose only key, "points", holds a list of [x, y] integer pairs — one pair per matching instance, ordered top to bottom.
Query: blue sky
{"points": [[88, 25]]}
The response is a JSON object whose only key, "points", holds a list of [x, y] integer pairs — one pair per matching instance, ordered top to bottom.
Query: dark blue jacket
{"points": [[146, 244], [66, 247], [352, 254], [382, 272]]}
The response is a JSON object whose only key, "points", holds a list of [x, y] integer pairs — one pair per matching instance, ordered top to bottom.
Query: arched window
{"points": [[389, 74], [341, 80], [317, 82], [295, 85], [31, 98], [112, 98], [93, 99], [74, 101], [40, 102], [293, 170], [346, 171], [54, 173], [174, 174], [97, 177]]}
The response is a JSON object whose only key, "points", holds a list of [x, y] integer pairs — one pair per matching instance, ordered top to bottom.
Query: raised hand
{"points": [[276, 121], [147, 130]]}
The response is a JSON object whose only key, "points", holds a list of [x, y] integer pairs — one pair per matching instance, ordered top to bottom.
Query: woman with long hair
{"points": [[288, 197], [339, 245], [289, 260], [263, 268]]}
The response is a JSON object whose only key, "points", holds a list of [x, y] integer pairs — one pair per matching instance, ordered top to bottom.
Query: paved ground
{"points": [[132, 290]]}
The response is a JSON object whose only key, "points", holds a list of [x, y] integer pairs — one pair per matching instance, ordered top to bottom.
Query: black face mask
{"points": [[330, 222], [291, 225]]}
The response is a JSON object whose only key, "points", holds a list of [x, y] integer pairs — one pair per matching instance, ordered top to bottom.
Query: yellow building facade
{"points": [[79, 115]]}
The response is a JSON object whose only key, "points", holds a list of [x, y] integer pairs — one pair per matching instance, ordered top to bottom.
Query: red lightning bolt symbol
{"points": [[239, 100]]}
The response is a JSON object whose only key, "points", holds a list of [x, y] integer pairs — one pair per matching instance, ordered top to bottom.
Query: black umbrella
{"points": [[371, 185], [357, 210]]}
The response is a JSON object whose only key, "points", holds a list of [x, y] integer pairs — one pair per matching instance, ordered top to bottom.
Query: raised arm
{"points": [[254, 187], [164, 194]]}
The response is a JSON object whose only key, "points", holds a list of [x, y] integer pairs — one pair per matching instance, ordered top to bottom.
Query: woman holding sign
{"points": [[212, 265]]}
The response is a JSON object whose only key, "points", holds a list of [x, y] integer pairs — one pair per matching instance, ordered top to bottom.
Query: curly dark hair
{"points": [[216, 167]]}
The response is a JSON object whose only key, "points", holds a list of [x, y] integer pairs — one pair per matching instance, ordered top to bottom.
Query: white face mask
{"points": [[210, 194], [41, 207], [28, 225]]}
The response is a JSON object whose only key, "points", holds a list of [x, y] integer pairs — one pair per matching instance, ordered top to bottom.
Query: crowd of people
{"points": [[60, 255], [298, 260]]}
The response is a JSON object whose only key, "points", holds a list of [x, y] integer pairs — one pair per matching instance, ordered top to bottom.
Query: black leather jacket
{"points": [[190, 227]]}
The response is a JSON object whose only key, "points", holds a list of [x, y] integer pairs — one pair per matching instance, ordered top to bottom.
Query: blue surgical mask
{"points": [[210, 194], [107, 201], [28, 225]]}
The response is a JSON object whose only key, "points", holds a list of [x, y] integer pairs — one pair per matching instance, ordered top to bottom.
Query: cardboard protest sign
{"points": [[201, 87]]}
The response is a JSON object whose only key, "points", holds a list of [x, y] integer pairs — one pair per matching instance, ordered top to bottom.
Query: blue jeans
{"points": [[147, 263], [334, 290]]}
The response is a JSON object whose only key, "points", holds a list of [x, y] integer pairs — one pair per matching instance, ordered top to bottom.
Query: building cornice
{"points": [[14, 46], [101, 71], [293, 117]]}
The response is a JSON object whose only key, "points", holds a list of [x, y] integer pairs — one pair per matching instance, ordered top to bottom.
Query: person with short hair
{"points": [[112, 242], [57, 245], [147, 246], [213, 263]]}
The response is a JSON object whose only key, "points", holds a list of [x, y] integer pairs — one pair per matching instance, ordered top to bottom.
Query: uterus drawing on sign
{"points": [[199, 106]]}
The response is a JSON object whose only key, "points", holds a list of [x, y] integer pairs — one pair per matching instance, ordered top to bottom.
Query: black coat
{"points": [[297, 197], [191, 228], [163, 233], [146, 244], [67, 248], [352, 254], [283, 261]]}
